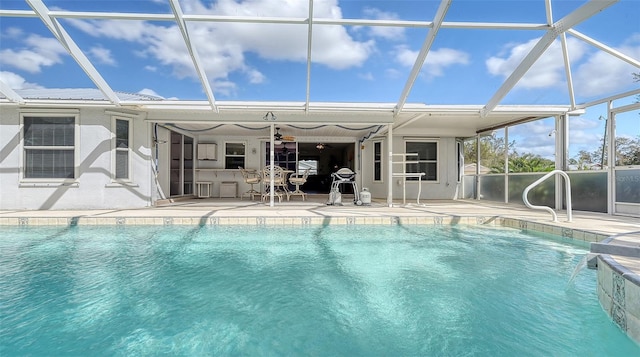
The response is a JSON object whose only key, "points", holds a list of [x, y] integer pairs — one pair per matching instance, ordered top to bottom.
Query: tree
{"points": [[492, 151], [627, 151], [584, 160], [529, 163]]}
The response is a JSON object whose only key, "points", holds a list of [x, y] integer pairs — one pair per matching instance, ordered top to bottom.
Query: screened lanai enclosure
{"points": [[132, 102], [604, 171]]}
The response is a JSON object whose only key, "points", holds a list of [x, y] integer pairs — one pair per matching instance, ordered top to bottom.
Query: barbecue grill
{"points": [[344, 176]]}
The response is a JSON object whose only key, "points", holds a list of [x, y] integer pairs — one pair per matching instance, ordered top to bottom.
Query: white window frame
{"points": [[75, 114], [115, 149], [244, 156], [436, 161], [379, 162]]}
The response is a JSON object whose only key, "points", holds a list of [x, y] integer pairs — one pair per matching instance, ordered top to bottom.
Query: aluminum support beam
{"points": [[549, 11], [582, 13], [278, 20], [182, 25], [309, 39], [72, 48], [605, 48], [422, 55], [567, 70], [10, 93]]}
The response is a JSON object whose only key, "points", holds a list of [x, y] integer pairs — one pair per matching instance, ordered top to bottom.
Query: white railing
{"points": [[567, 182]]}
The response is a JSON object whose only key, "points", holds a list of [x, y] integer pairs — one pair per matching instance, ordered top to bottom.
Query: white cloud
{"points": [[129, 30], [386, 32], [223, 47], [37, 52], [103, 55], [405, 56], [436, 62], [548, 71], [594, 72], [604, 74], [255, 76], [15, 81], [227, 88], [583, 123], [533, 128], [585, 133], [580, 137], [533, 138]]}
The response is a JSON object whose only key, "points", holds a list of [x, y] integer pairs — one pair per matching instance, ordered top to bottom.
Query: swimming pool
{"points": [[332, 290]]}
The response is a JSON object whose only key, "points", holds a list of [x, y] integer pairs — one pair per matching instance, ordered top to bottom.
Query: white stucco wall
{"points": [[93, 187], [445, 188]]}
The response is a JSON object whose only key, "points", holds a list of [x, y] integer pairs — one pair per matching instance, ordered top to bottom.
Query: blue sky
{"points": [[350, 63]]}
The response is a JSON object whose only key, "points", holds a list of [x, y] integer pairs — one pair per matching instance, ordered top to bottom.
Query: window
{"points": [[122, 145], [49, 147], [234, 155], [427, 159], [377, 161], [312, 165]]}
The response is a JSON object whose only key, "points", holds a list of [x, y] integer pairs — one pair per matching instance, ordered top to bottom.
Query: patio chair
{"points": [[250, 177], [299, 180], [279, 182]]}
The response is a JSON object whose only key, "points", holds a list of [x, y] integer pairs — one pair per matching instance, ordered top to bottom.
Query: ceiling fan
{"points": [[279, 138], [322, 146]]}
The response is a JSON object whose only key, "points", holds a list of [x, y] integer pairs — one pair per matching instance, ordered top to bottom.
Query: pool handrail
{"points": [[567, 182]]}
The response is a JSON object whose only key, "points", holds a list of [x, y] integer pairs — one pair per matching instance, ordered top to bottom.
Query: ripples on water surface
{"points": [[336, 290]]}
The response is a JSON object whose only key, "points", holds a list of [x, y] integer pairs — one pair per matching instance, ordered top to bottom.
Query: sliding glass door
{"points": [[181, 166]]}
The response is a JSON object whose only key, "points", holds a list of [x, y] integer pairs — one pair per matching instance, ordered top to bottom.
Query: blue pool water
{"points": [[309, 291]]}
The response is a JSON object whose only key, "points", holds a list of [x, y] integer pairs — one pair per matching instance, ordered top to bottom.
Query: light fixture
{"points": [[269, 116], [277, 137], [320, 146]]}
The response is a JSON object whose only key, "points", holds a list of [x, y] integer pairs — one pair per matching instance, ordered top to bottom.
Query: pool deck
{"points": [[613, 231]]}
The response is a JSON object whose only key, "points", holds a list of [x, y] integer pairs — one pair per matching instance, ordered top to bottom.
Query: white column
{"points": [[610, 140], [560, 156], [271, 164], [506, 164], [390, 165], [477, 166]]}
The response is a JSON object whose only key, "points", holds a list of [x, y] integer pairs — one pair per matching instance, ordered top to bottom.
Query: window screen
{"points": [[49, 147]]}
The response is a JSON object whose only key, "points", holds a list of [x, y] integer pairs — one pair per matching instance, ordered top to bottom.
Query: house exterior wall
{"points": [[93, 186], [446, 187]]}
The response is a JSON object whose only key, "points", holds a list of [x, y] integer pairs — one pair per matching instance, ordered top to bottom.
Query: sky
{"points": [[267, 62]]}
